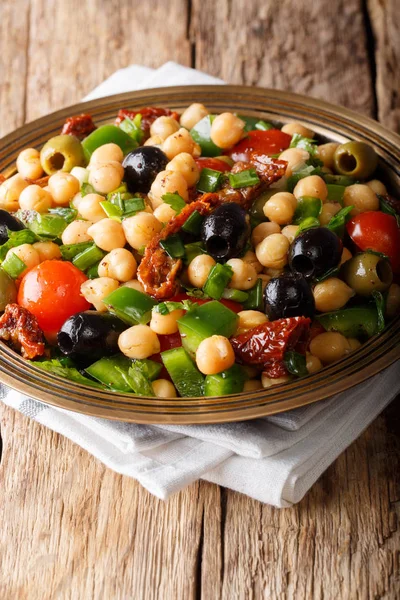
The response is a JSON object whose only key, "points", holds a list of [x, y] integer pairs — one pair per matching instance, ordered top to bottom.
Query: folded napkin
{"points": [[274, 460]]}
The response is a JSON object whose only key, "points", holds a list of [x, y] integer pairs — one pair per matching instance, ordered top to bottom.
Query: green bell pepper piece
{"points": [[201, 133], [107, 134], [335, 192], [307, 207], [193, 223], [217, 280], [255, 297], [130, 305], [359, 321], [107, 370], [185, 375], [230, 381]]}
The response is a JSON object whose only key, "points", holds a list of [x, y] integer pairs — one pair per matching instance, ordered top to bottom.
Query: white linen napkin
{"points": [[274, 460]]}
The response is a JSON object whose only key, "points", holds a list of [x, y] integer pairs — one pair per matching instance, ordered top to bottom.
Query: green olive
{"points": [[62, 153], [356, 159], [256, 210], [368, 272], [8, 291]]}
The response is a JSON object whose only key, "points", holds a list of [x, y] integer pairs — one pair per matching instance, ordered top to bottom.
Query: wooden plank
{"points": [[384, 16], [314, 48]]}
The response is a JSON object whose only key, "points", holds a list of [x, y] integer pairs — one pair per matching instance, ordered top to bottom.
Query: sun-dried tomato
{"points": [[149, 115], [79, 125], [42, 181], [20, 327], [265, 345]]}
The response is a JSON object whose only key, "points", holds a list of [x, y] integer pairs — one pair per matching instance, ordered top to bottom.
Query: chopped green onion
{"points": [[250, 122], [264, 126], [132, 127], [201, 134], [308, 144], [243, 179], [345, 180], [209, 181], [87, 188], [335, 192], [117, 200], [175, 201], [133, 205], [307, 206], [385, 207], [112, 210], [68, 214], [338, 221], [193, 223], [308, 224], [17, 238], [173, 246], [193, 250], [69, 251], [86, 259], [13, 265], [93, 271], [333, 272], [217, 280], [235, 295], [255, 297], [164, 308], [381, 309], [295, 363]]}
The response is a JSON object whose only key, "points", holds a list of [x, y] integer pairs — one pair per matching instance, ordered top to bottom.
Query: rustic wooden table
{"points": [[70, 528]]}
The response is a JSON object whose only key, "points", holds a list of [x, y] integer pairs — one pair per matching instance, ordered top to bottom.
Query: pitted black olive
{"points": [[141, 167], [7, 221], [226, 231], [314, 252], [288, 296], [90, 333]]}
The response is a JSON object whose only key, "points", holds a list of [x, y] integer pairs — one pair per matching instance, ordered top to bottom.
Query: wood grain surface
{"points": [[70, 528]]}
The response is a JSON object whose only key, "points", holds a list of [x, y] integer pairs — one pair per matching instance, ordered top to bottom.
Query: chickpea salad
{"points": [[194, 254]]}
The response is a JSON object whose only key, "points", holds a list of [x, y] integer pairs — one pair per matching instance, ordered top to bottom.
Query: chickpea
{"points": [[193, 114], [163, 127], [292, 128], [226, 130], [154, 140], [180, 141], [325, 153], [106, 154], [296, 158], [28, 164], [185, 164], [81, 174], [106, 177], [168, 182], [313, 185], [377, 186], [63, 187], [10, 191], [362, 197], [36, 198], [76, 200], [89, 207], [280, 208], [329, 209], [164, 213], [140, 229], [262, 231], [290, 231], [76, 232], [108, 234], [47, 250], [272, 252], [28, 254], [346, 255], [251, 258], [119, 264], [199, 270], [244, 275], [135, 285], [95, 290], [331, 294], [393, 301], [248, 319], [165, 324], [139, 341], [354, 344], [329, 346], [214, 354], [313, 364], [269, 382], [252, 385], [163, 388]]}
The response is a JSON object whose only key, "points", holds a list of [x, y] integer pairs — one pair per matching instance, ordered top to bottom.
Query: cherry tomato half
{"points": [[268, 142], [212, 163], [375, 230], [51, 291]]}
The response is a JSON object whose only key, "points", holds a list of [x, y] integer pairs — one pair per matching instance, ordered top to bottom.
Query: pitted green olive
{"points": [[62, 153], [356, 159], [368, 272], [8, 291]]}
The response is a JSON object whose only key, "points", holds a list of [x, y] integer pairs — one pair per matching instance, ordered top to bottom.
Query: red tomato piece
{"points": [[269, 142], [212, 163], [375, 230], [52, 292]]}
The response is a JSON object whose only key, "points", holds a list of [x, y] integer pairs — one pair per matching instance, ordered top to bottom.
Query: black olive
{"points": [[141, 167], [7, 221], [226, 231], [314, 252], [288, 296], [90, 333]]}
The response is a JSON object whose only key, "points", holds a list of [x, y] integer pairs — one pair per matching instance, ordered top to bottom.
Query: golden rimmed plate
{"points": [[331, 123]]}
